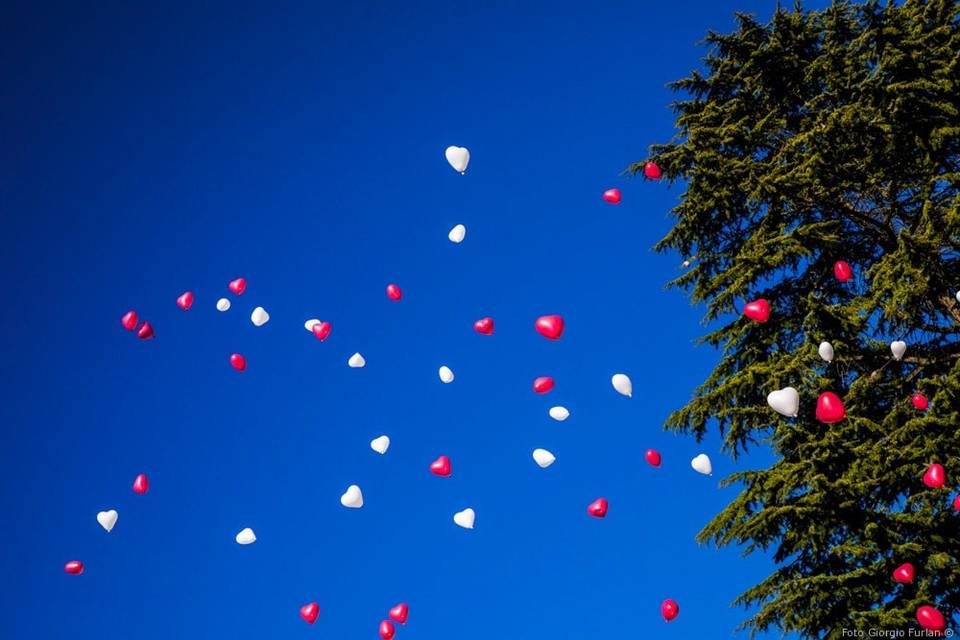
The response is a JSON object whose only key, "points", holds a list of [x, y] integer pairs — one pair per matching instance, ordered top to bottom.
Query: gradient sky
{"points": [[149, 149]]}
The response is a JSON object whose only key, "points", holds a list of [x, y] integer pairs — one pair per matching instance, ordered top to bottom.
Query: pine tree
{"points": [[823, 136]]}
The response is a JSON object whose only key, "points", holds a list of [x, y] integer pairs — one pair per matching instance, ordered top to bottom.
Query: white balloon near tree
{"points": [[898, 348], [826, 351], [785, 401], [701, 464]]}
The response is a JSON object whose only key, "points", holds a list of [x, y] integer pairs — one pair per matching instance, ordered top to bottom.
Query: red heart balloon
{"points": [[652, 170], [612, 196], [842, 271], [238, 286], [394, 293], [185, 301], [758, 310], [129, 320], [484, 326], [550, 326], [322, 330], [145, 332], [238, 362], [543, 384], [919, 402], [830, 408], [653, 457], [441, 466], [935, 477], [141, 484], [956, 503], [598, 508], [74, 567], [904, 573], [669, 609], [310, 612], [400, 612], [931, 619], [387, 630]]}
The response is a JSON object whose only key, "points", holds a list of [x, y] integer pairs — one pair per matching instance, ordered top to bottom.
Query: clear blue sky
{"points": [[146, 150]]}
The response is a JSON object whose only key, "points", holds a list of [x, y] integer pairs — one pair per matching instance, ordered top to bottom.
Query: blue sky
{"points": [[152, 150]]}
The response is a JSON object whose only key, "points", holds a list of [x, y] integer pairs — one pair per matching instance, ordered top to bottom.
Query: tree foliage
{"points": [[821, 136]]}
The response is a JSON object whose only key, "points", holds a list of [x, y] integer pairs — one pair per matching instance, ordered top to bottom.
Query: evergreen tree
{"points": [[822, 136]]}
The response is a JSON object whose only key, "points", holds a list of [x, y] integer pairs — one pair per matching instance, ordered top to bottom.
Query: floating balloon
{"points": [[458, 157], [651, 170], [612, 196], [457, 234], [842, 271], [238, 286], [394, 293], [185, 301], [223, 304], [758, 310], [259, 317], [129, 320], [309, 324], [484, 326], [550, 326], [321, 330], [145, 332], [898, 348], [826, 351], [356, 361], [238, 362], [446, 374], [621, 382], [543, 384], [785, 401], [919, 401], [830, 408], [559, 413], [380, 444], [653, 457], [543, 458], [702, 464], [441, 467], [935, 477], [141, 484], [352, 497], [956, 503], [598, 508], [465, 518], [108, 519], [246, 536], [74, 567], [904, 573], [669, 609], [310, 612], [399, 613], [931, 619], [387, 630]]}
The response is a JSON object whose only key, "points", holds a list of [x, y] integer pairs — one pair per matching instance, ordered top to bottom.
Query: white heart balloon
{"points": [[458, 157], [457, 234], [223, 304], [259, 317], [308, 325], [898, 348], [826, 351], [356, 361], [446, 375], [621, 382], [785, 401], [559, 413], [380, 445], [543, 458], [701, 464], [353, 498], [465, 518], [108, 519], [246, 536]]}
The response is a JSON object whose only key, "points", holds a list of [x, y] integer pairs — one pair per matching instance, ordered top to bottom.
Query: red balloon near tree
{"points": [[842, 271], [758, 310]]}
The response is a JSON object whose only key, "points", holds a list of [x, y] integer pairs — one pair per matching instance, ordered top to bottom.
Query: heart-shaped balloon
{"points": [[458, 157], [652, 170], [612, 196], [457, 234], [842, 271], [238, 286], [394, 293], [185, 301], [223, 304], [758, 310], [259, 317], [129, 320], [484, 326], [550, 326], [321, 330], [145, 332], [898, 348], [826, 351], [357, 361], [238, 362], [446, 374], [622, 383], [543, 384], [785, 401], [919, 401], [830, 408], [559, 413], [380, 444], [653, 457], [543, 458], [702, 464], [441, 467], [935, 476], [141, 484], [352, 497], [956, 503], [598, 508], [465, 518], [108, 519], [246, 536], [74, 567], [904, 573], [669, 609], [310, 612], [399, 613], [931, 619], [387, 630]]}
